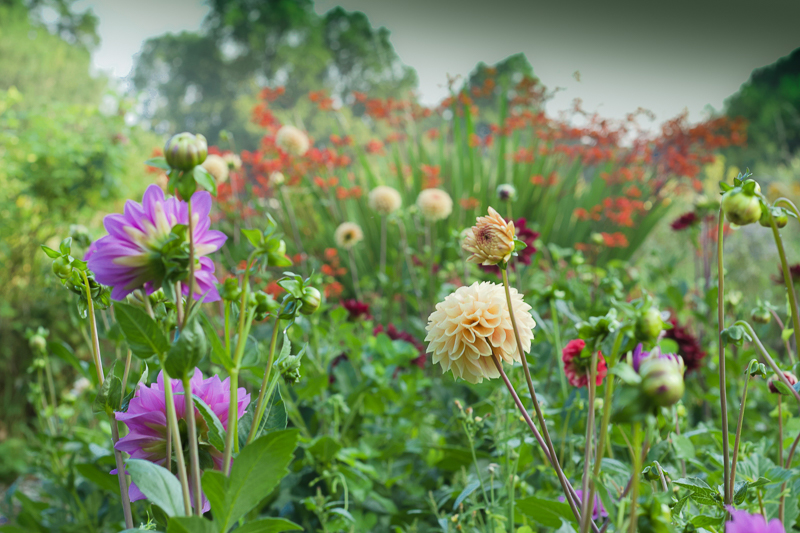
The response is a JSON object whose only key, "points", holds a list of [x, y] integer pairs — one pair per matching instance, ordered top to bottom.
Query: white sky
{"points": [[666, 58]]}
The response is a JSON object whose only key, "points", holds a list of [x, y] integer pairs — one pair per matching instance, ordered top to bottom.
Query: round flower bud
{"points": [[292, 140], [185, 151], [234, 161], [217, 167], [276, 178], [506, 192], [384, 200], [434, 204], [741, 208], [780, 216], [348, 234], [597, 238], [491, 240], [277, 255], [62, 268], [229, 290], [311, 300], [265, 305], [761, 315], [649, 325], [38, 343], [290, 369], [791, 378], [662, 379]]}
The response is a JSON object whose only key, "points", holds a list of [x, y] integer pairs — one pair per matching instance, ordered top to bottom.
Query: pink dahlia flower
{"points": [[129, 257], [577, 368], [146, 419], [598, 511], [744, 522]]}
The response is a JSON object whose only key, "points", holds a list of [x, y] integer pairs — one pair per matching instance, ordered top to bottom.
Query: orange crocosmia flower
{"points": [[474, 140], [374, 146], [538, 179], [319, 182], [333, 182], [633, 191], [341, 193], [469, 203], [581, 213], [331, 253], [327, 270], [333, 290]]}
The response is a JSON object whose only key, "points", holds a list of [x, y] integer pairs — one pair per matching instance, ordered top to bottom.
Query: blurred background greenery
{"points": [[72, 143]]}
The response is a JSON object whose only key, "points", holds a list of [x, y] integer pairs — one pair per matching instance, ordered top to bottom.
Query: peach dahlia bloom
{"points": [[490, 240], [473, 322]]}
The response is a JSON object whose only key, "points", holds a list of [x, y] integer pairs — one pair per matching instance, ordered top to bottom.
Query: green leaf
{"points": [[157, 162], [205, 179], [254, 236], [52, 254], [143, 335], [187, 351], [64, 352], [218, 354], [626, 373], [109, 397], [274, 418], [216, 431], [325, 449], [684, 449], [255, 473], [99, 477], [160, 486], [469, 489], [701, 492], [549, 513], [705, 521], [190, 524], [269, 525]]}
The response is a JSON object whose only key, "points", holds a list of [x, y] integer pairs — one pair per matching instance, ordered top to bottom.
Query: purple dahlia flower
{"points": [[129, 257], [146, 419], [598, 511], [744, 522]]}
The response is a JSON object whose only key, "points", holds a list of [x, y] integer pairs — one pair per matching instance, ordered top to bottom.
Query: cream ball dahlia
{"points": [[292, 140], [217, 167], [384, 200], [434, 204], [348, 234], [474, 322]]}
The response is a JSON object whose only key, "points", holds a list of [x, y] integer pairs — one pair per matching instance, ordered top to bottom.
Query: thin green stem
{"points": [[383, 246], [191, 264], [787, 278], [557, 339], [768, 358], [98, 362], [125, 374], [723, 401], [261, 404], [172, 420], [739, 424], [191, 428], [637, 467], [478, 472], [587, 483], [782, 505]]}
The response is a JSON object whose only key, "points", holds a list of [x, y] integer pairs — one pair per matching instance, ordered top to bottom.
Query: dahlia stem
{"points": [[789, 204], [383, 245], [191, 264], [410, 265], [787, 278], [178, 303], [557, 339], [785, 341], [768, 358], [98, 363], [125, 375], [607, 395], [723, 401], [261, 405], [172, 419], [739, 425], [191, 427], [547, 443], [791, 452], [637, 467], [478, 473], [587, 484], [569, 492], [782, 505]]}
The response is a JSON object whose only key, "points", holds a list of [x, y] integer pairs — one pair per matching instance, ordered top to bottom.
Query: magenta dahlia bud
{"points": [[185, 151], [740, 207], [662, 378]]}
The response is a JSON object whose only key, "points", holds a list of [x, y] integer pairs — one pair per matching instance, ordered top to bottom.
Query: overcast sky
{"points": [[663, 56]]}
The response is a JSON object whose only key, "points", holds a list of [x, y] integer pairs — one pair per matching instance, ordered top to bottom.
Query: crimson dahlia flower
{"points": [[130, 256], [577, 368], [146, 419]]}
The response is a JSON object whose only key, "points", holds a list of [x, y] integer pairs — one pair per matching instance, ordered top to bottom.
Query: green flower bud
{"points": [[185, 151], [741, 208], [779, 214], [596, 238], [62, 268], [229, 290], [311, 300], [265, 305], [761, 315], [649, 325], [38, 343], [290, 369], [662, 379]]}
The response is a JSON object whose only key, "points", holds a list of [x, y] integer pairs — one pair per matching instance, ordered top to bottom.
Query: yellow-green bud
{"points": [[185, 151]]}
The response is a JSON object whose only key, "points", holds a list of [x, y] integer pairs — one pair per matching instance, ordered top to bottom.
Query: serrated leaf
{"points": [[142, 334], [187, 351], [219, 356], [109, 396], [216, 431], [160, 485], [190, 524]]}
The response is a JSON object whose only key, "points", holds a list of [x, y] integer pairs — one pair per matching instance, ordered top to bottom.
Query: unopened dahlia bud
{"points": [[292, 140], [185, 151], [234, 161], [217, 167], [276, 178], [506, 192], [384, 200], [434, 204], [741, 208], [778, 214], [348, 234], [597, 238], [491, 240], [62, 268], [229, 290], [311, 300], [265, 305], [761, 315], [649, 325], [38, 343], [290, 370], [791, 378], [662, 379]]}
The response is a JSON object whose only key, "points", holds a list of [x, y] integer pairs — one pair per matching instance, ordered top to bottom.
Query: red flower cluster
{"points": [[357, 310], [689, 347], [577, 368]]}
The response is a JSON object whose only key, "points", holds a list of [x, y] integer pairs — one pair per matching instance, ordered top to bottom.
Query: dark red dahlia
{"points": [[684, 221], [794, 271], [357, 310], [396, 335], [689, 347], [342, 357]]}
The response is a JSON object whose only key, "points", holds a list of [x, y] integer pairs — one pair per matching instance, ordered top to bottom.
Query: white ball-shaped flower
{"points": [[292, 140], [217, 167], [384, 200], [434, 204], [348, 234], [474, 322]]}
